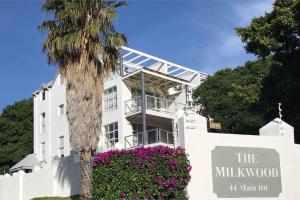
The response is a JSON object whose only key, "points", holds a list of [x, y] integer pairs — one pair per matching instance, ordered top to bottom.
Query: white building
{"points": [[165, 88], [148, 95]]}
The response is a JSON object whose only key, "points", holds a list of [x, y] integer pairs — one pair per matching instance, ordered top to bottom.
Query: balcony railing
{"points": [[152, 103], [155, 136], [111, 143]]}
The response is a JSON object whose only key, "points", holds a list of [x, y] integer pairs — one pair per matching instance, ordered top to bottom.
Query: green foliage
{"points": [[82, 28], [276, 32], [282, 85], [232, 97], [246, 98], [16, 133], [143, 173]]}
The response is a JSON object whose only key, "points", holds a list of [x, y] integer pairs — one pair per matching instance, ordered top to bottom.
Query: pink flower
{"points": [[173, 165], [189, 168], [159, 181], [171, 183], [122, 194], [160, 198]]}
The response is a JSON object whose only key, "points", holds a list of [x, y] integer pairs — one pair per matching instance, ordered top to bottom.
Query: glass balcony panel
{"points": [[152, 103], [133, 105], [155, 136]]}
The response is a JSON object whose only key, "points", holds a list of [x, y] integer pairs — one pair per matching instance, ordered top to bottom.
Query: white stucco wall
{"points": [[41, 106], [118, 115], [56, 125], [200, 143], [58, 178]]}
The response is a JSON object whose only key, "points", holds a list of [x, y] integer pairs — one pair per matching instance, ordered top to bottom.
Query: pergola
{"points": [[144, 70]]}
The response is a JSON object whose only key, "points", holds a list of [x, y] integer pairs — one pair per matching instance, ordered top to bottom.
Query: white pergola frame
{"points": [[137, 60]]}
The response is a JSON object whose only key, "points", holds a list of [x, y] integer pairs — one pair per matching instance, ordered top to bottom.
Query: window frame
{"points": [[43, 97], [111, 99], [61, 109], [43, 123], [111, 141], [61, 146], [43, 151]]}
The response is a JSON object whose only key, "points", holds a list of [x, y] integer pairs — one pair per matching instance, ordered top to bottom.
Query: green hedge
{"points": [[142, 173]]}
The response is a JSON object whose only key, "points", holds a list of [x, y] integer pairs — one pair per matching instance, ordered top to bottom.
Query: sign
{"points": [[214, 125], [240, 172]]}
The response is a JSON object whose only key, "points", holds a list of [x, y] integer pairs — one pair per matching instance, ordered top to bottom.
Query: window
{"points": [[43, 95], [110, 99], [61, 110], [43, 122], [111, 134], [61, 146], [43, 151]]}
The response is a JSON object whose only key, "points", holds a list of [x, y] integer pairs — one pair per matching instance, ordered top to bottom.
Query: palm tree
{"points": [[84, 44]]}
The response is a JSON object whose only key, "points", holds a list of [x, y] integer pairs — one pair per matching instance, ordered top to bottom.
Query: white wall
{"points": [[41, 106], [118, 115], [56, 125], [200, 143], [59, 178]]}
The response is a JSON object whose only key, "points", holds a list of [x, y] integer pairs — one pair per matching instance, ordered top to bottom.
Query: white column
{"points": [[278, 127]]}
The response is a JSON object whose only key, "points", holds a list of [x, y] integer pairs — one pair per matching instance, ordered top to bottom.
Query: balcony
{"points": [[153, 105], [155, 137]]}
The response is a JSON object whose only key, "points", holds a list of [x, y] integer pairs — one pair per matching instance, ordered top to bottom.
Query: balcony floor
{"points": [[158, 113], [152, 120]]}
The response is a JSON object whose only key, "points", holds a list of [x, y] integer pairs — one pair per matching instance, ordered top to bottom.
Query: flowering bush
{"points": [[141, 173]]}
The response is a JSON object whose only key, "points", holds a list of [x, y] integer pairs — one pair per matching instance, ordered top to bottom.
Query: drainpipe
{"points": [[145, 141]]}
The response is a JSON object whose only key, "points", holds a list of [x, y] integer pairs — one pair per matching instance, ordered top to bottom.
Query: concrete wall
{"points": [[118, 115], [56, 125], [199, 145], [59, 178]]}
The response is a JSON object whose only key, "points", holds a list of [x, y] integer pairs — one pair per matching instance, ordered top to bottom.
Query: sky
{"points": [[194, 33]]}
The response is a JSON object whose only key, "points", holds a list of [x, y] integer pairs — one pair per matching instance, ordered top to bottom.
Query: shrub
{"points": [[141, 173]]}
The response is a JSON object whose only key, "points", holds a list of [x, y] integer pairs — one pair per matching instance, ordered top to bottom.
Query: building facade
{"points": [[147, 101], [139, 104]]}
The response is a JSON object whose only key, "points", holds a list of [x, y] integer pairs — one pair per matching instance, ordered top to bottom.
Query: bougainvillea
{"points": [[142, 173]]}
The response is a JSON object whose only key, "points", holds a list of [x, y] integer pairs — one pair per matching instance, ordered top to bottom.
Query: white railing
{"points": [[152, 103], [133, 105], [155, 136], [111, 143]]}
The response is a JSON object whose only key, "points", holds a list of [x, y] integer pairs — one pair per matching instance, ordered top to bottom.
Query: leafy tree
{"points": [[277, 34], [84, 44], [232, 97], [243, 106], [16, 133]]}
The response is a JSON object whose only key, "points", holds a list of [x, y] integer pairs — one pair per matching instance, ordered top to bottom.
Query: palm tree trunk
{"points": [[85, 175]]}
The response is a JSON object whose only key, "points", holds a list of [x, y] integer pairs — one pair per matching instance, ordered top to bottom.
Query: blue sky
{"points": [[197, 34]]}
